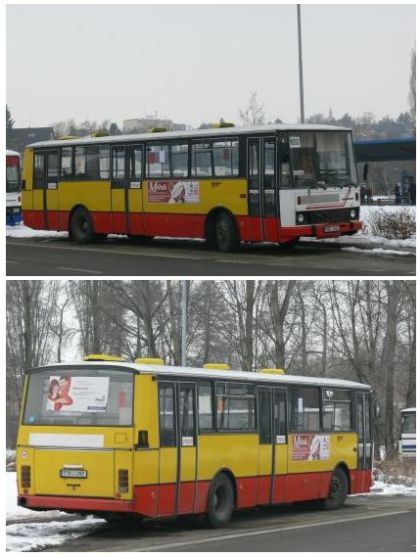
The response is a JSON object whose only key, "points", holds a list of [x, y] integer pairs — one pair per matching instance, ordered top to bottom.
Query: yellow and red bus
{"points": [[273, 183], [119, 439]]}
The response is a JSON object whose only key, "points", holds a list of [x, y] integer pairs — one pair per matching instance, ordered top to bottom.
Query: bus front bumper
{"points": [[322, 231], [76, 504]]}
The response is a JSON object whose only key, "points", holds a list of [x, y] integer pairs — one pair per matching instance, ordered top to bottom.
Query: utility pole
{"points": [[302, 110], [184, 322]]}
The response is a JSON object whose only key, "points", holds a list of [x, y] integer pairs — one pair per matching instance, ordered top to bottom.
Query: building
{"points": [[142, 125], [17, 138]]}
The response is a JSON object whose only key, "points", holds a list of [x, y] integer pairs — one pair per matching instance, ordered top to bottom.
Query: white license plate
{"points": [[329, 229], [73, 473]]}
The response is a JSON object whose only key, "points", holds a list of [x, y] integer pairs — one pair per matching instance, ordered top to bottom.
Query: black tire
{"points": [[81, 227], [226, 233], [339, 488], [221, 501]]}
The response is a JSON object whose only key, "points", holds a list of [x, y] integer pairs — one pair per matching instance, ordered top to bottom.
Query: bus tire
{"points": [[81, 227], [226, 233], [339, 488], [221, 501]]}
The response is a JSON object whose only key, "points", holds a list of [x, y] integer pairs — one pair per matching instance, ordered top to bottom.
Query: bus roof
{"points": [[212, 132], [11, 153], [198, 372], [408, 410]]}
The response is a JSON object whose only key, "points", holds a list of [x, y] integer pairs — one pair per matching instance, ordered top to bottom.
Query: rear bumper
{"points": [[320, 231], [74, 504]]}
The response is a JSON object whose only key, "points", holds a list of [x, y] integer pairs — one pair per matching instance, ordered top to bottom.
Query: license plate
{"points": [[329, 229], [73, 473]]}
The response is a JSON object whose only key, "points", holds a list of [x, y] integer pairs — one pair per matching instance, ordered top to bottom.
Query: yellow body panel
{"points": [[27, 168], [94, 195], [118, 200], [135, 200], [239, 453], [188, 464], [167, 465]]}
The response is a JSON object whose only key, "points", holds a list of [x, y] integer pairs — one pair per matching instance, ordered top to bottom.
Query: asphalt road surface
{"points": [[160, 257], [364, 524]]}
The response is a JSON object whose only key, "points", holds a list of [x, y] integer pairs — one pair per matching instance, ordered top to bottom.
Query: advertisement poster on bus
{"points": [[174, 192], [68, 393], [310, 447]]}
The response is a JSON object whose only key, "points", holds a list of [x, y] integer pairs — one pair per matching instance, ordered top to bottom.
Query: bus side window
{"points": [[284, 161], [39, 169], [66, 170], [205, 407], [304, 409], [166, 415], [264, 415]]}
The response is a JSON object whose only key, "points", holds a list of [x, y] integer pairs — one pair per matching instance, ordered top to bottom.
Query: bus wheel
{"points": [[81, 227], [227, 239], [339, 488], [220, 502]]}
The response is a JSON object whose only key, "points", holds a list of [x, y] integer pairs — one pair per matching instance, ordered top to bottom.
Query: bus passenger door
{"points": [[45, 187], [51, 192], [126, 193], [263, 206], [279, 401], [364, 442], [178, 448], [187, 448], [272, 468]]}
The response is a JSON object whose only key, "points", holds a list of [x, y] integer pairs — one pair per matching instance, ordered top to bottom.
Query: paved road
{"points": [[119, 257], [364, 524]]}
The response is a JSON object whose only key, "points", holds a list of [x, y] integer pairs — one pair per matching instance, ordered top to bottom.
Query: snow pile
{"points": [[21, 231], [392, 489], [31, 530], [24, 537]]}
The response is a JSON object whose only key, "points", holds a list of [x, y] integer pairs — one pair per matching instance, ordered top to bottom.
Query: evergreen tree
{"points": [[10, 122]]}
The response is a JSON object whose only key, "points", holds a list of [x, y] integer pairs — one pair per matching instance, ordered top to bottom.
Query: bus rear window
{"points": [[76, 397]]}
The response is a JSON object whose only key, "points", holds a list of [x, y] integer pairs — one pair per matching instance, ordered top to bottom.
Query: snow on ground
{"points": [[21, 230], [29, 531]]}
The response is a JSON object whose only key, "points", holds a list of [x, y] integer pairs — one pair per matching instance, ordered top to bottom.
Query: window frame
{"points": [[350, 402], [291, 429], [228, 430]]}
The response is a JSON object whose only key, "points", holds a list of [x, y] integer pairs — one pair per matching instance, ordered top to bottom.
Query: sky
{"points": [[200, 63]]}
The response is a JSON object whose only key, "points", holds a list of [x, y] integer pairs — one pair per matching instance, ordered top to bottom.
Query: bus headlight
{"points": [[353, 213], [300, 218]]}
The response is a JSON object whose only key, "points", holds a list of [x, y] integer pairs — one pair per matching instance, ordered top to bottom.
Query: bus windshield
{"points": [[322, 159], [12, 174], [91, 397], [408, 423]]}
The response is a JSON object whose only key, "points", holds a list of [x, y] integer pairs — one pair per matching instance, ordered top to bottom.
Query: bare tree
{"points": [[412, 90], [253, 113]]}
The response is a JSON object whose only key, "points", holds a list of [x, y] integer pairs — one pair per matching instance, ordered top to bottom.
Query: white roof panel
{"points": [[188, 134], [11, 153], [198, 372]]}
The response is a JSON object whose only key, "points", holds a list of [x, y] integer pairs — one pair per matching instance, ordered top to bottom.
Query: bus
{"points": [[273, 183], [13, 188], [115, 439], [407, 442]]}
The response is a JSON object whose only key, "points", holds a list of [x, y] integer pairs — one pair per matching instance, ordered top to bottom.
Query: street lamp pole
{"points": [[302, 110], [184, 322]]}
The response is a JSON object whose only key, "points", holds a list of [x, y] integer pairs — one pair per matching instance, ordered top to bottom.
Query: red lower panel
{"points": [[174, 225], [185, 225], [360, 481], [306, 486], [263, 490], [279, 490], [246, 492], [186, 497], [201, 497], [145, 500], [166, 500], [78, 503]]}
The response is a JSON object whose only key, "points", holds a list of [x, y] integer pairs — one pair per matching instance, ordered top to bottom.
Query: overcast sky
{"points": [[195, 63]]}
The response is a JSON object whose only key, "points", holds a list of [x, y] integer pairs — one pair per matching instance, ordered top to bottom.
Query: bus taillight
{"points": [[25, 476]]}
